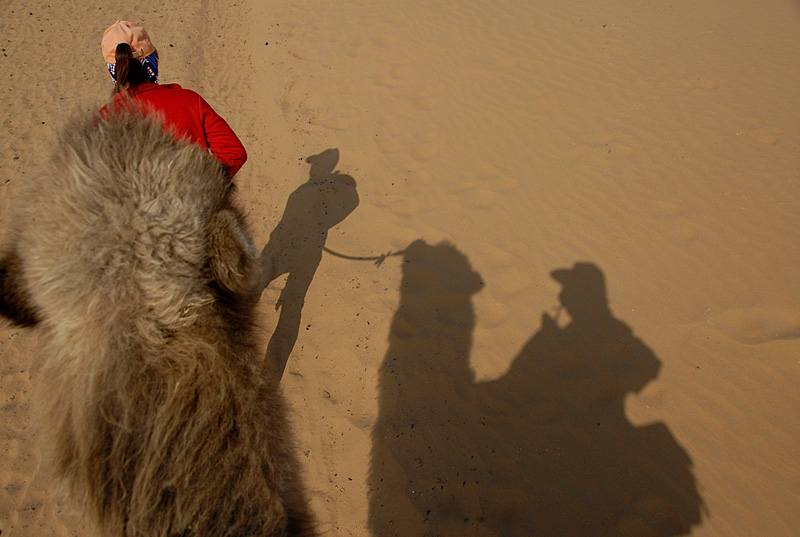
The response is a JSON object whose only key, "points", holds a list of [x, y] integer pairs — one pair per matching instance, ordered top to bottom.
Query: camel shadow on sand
{"points": [[295, 245], [544, 450]]}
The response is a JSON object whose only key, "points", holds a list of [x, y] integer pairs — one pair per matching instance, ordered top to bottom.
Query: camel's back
{"points": [[114, 234]]}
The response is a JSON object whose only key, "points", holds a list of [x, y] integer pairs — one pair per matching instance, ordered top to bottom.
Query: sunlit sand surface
{"points": [[552, 285]]}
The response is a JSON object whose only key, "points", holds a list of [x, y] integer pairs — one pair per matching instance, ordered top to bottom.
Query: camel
{"points": [[131, 258]]}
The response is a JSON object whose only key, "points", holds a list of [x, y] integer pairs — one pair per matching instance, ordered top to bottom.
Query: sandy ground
{"points": [[460, 386]]}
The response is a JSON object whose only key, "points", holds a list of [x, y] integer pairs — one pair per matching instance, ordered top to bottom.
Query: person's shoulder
{"points": [[178, 88], [183, 93]]}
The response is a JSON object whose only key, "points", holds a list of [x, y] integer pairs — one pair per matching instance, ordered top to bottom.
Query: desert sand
{"points": [[541, 258]]}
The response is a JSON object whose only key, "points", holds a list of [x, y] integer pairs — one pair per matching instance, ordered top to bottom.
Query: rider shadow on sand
{"points": [[295, 246], [544, 450]]}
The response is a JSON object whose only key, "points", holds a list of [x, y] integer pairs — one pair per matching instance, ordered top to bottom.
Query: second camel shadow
{"points": [[295, 245], [546, 449]]}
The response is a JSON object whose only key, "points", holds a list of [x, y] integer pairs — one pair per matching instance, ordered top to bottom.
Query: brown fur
{"points": [[132, 259]]}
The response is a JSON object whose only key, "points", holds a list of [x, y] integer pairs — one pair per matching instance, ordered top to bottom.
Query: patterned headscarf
{"points": [[150, 64]]}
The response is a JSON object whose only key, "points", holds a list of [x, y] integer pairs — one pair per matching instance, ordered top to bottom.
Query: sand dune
{"points": [[480, 146]]}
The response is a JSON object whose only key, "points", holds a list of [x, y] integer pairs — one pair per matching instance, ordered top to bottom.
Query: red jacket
{"points": [[188, 116]]}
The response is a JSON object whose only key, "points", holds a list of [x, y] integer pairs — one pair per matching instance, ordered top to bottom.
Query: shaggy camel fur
{"points": [[131, 258]]}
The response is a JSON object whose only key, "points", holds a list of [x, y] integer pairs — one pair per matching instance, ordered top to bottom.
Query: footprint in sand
{"points": [[384, 40], [356, 48], [302, 53], [495, 63], [400, 70], [393, 78], [386, 80], [346, 88], [299, 96], [423, 102], [341, 122], [756, 130], [763, 136], [605, 143], [387, 145], [423, 151], [419, 177], [500, 182], [480, 198], [401, 205], [668, 208], [679, 223], [402, 237], [497, 257], [509, 282], [492, 313], [758, 325], [15, 390], [13, 449]]}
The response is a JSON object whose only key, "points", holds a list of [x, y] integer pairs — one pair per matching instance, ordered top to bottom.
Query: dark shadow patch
{"points": [[295, 246], [544, 450]]}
